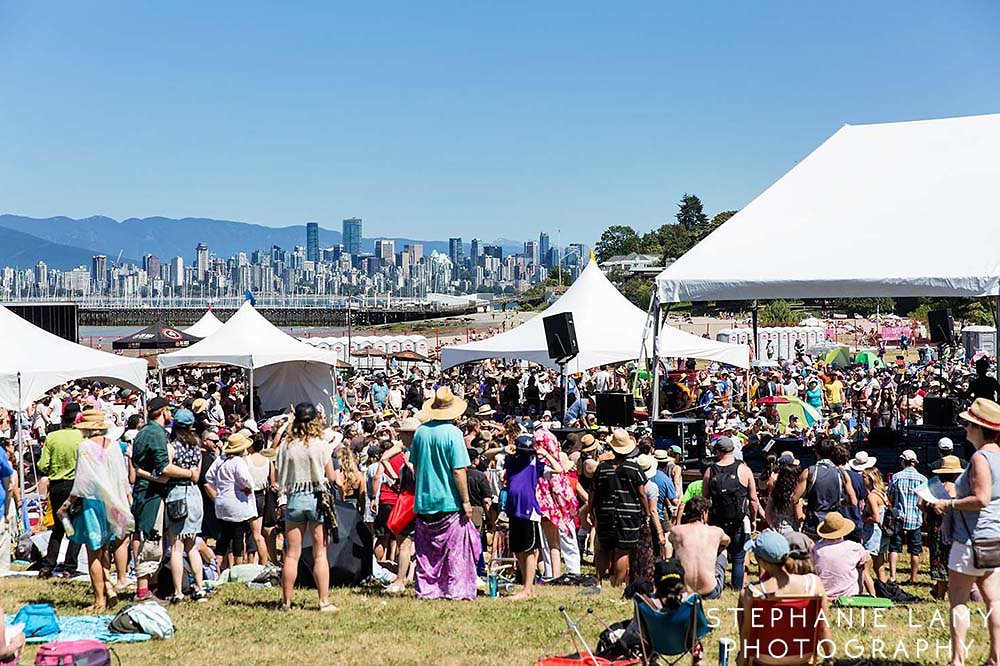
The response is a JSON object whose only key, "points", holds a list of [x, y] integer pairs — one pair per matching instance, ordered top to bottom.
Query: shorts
{"points": [[301, 509], [382, 520], [190, 525], [524, 535], [232, 538], [912, 539], [873, 540], [960, 560]]}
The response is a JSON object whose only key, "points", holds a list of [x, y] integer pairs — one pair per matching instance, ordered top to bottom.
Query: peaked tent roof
{"points": [[893, 191], [205, 326], [609, 329], [157, 336], [246, 340], [44, 361]]}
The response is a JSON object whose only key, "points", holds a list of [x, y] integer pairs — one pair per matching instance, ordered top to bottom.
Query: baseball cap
{"points": [[156, 403], [184, 417], [524, 443], [724, 444], [945, 444], [909, 455], [769, 546]]}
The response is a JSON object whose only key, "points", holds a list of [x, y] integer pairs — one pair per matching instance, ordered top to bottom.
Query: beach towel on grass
{"points": [[79, 627]]}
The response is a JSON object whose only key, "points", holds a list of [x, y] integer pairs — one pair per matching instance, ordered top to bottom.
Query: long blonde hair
{"points": [[307, 430], [349, 467], [873, 478]]}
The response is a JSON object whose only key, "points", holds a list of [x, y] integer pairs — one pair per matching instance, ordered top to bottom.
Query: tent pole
{"points": [[996, 324], [753, 346], [159, 373], [565, 381], [654, 412], [252, 417], [21, 469]]}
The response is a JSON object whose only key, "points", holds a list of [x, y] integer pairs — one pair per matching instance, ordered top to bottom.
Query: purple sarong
{"points": [[447, 551]]}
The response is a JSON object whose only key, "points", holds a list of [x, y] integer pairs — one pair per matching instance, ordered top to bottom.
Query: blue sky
{"points": [[480, 119]]}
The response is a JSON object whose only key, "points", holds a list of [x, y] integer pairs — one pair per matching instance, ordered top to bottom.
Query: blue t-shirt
{"points": [[380, 394], [577, 410], [438, 448], [6, 471], [523, 471], [665, 488]]}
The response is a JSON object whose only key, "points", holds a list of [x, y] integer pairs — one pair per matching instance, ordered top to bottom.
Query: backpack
{"points": [[729, 496], [892, 524], [149, 617], [38, 620], [87, 652]]}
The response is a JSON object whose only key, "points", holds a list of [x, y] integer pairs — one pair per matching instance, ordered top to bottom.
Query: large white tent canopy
{"points": [[904, 207], [204, 327], [609, 329], [34, 361], [285, 370]]}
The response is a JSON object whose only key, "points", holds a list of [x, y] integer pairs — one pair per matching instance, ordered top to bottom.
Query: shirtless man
{"points": [[701, 548]]}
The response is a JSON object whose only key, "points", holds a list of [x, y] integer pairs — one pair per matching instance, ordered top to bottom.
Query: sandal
{"points": [[327, 607]]}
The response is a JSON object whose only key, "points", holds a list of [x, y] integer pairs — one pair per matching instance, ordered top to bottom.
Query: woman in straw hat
{"points": [[305, 466], [231, 482], [99, 503], [619, 507], [975, 516], [839, 563]]}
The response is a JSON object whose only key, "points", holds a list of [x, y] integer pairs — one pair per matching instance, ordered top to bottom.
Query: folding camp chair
{"points": [[783, 630], [670, 633], [583, 655]]}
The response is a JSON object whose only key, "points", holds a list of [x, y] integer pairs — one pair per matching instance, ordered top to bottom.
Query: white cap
{"points": [[945, 444], [909, 455]]}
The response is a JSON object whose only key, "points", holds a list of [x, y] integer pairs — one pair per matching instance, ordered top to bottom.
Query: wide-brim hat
{"points": [[199, 405], [444, 406], [485, 410], [984, 413], [92, 419], [409, 424], [237, 443], [588, 443], [622, 443], [661, 455], [862, 461], [647, 464], [949, 465], [834, 526]]}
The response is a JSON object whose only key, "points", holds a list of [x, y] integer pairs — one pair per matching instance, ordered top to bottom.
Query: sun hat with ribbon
{"points": [[444, 406], [485, 410], [984, 413], [237, 443], [588, 443], [622, 443], [661, 455], [862, 461], [647, 464]]}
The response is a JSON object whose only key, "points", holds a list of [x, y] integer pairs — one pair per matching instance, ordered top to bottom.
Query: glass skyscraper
{"points": [[352, 235], [312, 241]]}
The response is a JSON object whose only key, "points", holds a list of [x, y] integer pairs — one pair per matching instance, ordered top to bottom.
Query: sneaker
{"points": [[44, 574], [385, 577], [395, 588], [199, 595], [176, 599]]}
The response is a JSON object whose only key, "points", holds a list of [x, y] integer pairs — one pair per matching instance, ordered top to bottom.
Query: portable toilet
{"points": [[979, 339]]}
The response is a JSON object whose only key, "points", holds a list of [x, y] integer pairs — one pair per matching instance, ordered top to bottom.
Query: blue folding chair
{"points": [[670, 633]]}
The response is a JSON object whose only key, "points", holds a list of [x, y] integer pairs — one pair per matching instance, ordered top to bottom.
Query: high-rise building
{"points": [[352, 235], [312, 241], [543, 248], [385, 250], [415, 250], [475, 251], [495, 251], [531, 252], [455, 254], [576, 255], [201, 261], [151, 264], [99, 271], [177, 272], [41, 274]]}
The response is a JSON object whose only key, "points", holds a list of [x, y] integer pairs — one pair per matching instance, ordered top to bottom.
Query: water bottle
{"points": [[67, 524], [493, 582], [724, 649]]}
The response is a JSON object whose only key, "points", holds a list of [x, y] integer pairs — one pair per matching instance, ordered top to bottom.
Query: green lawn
{"points": [[240, 626]]}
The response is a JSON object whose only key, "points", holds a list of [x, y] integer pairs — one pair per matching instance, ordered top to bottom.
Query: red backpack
{"points": [[73, 653]]}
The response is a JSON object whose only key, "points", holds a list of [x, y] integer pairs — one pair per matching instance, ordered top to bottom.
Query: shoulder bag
{"points": [[985, 552]]}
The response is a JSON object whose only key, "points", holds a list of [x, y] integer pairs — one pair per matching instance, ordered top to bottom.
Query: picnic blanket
{"points": [[79, 627]]}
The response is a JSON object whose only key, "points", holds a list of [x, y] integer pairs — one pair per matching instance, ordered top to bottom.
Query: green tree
{"points": [[691, 214], [616, 239], [675, 240], [637, 290], [864, 306], [777, 312]]}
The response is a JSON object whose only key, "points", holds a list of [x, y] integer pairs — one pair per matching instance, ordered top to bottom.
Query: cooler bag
{"points": [[73, 653]]}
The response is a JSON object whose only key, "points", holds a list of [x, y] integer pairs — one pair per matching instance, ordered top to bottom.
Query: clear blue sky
{"points": [[431, 119]]}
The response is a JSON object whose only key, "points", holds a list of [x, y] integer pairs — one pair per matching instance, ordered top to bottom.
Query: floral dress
{"points": [[554, 492]]}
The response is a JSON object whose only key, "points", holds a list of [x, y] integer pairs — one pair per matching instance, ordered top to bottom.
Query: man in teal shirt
{"points": [[58, 463], [446, 542]]}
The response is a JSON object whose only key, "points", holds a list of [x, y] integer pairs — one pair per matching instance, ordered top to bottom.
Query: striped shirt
{"points": [[904, 498]]}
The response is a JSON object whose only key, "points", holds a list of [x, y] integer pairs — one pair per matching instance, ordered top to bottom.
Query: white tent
{"points": [[903, 207], [204, 327], [609, 329], [33, 361], [285, 370]]}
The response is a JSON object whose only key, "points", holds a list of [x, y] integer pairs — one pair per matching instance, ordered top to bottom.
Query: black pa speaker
{"points": [[942, 326], [560, 336], [616, 410], [939, 411], [689, 434]]}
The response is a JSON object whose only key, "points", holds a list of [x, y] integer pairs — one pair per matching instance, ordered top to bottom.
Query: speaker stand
{"points": [[562, 361]]}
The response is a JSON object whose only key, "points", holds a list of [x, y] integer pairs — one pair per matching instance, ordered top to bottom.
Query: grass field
{"points": [[241, 626]]}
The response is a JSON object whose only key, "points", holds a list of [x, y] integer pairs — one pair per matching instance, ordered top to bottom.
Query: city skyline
{"points": [[484, 117]]}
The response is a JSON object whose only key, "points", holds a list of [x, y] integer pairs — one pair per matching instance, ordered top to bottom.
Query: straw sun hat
{"points": [[444, 406], [984, 413], [92, 419], [237, 443], [622, 443], [949, 465], [834, 526]]}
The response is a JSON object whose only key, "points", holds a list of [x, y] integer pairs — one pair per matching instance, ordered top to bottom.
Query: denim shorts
{"points": [[301, 509], [913, 542]]}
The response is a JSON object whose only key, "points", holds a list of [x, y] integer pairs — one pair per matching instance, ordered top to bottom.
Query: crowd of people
{"points": [[472, 475]]}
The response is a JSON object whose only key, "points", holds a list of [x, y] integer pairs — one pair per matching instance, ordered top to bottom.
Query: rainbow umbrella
{"points": [[807, 413]]}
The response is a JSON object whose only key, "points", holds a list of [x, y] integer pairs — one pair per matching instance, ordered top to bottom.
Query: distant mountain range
{"points": [[63, 242]]}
